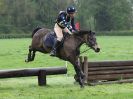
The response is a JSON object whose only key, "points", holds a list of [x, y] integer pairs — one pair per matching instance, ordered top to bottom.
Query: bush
{"points": [[101, 33], [115, 33], [9, 36]]}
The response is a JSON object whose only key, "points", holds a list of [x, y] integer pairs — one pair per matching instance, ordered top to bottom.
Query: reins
{"points": [[85, 50]]}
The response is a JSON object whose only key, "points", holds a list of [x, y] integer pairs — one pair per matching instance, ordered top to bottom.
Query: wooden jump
{"points": [[115, 71], [40, 72]]}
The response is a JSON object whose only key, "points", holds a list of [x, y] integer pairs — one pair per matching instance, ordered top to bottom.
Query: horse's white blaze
{"points": [[96, 46]]}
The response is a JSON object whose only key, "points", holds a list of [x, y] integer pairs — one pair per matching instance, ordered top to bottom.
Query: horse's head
{"points": [[90, 39], [92, 42]]}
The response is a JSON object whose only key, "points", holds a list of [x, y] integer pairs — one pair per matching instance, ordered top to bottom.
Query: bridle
{"points": [[87, 44], [85, 50]]}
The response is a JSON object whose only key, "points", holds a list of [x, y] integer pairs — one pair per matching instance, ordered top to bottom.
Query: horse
{"points": [[69, 51]]}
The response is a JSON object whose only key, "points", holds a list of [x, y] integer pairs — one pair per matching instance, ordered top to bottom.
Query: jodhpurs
{"points": [[59, 31]]}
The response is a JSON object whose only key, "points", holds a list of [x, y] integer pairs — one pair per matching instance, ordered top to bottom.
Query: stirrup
{"points": [[53, 53]]}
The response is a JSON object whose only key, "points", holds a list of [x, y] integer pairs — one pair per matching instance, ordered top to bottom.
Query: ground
{"points": [[14, 51]]}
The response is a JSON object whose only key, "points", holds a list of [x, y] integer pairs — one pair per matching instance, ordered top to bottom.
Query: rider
{"points": [[64, 22]]}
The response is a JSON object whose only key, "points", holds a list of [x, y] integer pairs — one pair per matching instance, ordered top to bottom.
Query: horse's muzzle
{"points": [[96, 48]]}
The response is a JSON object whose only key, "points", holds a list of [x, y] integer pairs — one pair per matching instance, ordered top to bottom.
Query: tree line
{"points": [[22, 16]]}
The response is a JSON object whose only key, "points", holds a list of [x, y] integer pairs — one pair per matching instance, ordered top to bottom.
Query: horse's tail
{"points": [[35, 30]]}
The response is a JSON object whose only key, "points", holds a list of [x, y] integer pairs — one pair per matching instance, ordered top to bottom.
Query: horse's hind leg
{"points": [[31, 55]]}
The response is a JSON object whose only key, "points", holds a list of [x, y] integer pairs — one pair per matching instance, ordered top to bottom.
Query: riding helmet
{"points": [[71, 9]]}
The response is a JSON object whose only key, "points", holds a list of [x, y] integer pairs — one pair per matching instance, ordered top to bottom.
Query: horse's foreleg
{"points": [[78, 71], [80, 75]]}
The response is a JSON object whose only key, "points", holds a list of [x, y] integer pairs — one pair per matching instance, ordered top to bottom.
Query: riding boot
{"points": [[54, 49]]}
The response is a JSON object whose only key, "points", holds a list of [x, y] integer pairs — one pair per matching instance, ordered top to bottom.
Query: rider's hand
{"points": [[74, 32]]}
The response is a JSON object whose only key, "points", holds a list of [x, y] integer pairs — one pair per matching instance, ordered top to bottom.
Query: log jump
{"points": [[107, 71], [40, 72]]}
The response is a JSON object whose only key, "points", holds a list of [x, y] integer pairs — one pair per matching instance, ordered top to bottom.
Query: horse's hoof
{"points": [[26, 60], [83, 76], [76, 78], [81, 83], [82, 86]]}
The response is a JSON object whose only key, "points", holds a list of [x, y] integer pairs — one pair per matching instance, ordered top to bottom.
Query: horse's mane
{"points": [[82, 32]]}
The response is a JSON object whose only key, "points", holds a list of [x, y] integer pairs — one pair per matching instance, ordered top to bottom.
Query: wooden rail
{"points": [[106, 70], [40, 72]]}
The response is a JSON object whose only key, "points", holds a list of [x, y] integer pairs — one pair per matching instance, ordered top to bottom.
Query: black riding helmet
{"points": [[71, 9]]}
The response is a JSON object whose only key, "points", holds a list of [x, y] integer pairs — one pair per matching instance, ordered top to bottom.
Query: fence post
{"points": [[81, 59], [85, 69], [42, 78]]}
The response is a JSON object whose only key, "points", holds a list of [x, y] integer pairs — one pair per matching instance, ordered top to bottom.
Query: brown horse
{"points": [[69, 51]]}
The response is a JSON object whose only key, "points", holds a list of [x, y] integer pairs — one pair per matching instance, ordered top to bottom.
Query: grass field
{"points": [[14, 51]]}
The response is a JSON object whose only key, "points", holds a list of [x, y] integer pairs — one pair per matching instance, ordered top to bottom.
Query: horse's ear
{"points": [[91, 32]]}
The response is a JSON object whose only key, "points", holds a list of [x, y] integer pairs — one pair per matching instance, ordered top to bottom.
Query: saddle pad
{"points": [[49, 39]]}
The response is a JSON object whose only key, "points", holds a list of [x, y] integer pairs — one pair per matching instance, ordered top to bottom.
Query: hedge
{"points": [[104, 33], [115, 33], [9, 36]]}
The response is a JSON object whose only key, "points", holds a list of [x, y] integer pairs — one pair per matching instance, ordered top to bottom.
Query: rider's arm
{"points": [[65, 25], [73, 25], [67, 30]]}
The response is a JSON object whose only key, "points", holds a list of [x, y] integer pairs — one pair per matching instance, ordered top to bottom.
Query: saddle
{"points": [[50, 38]]}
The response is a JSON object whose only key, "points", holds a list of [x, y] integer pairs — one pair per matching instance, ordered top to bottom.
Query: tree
{"points": [[107, 14], [25, 15]]}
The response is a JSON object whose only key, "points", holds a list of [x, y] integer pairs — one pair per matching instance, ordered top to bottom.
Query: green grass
{"points": [[14, 51], [61, 88]]}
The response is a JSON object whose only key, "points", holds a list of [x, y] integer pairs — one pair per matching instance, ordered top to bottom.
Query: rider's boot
{"points": [[54, 49]]}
